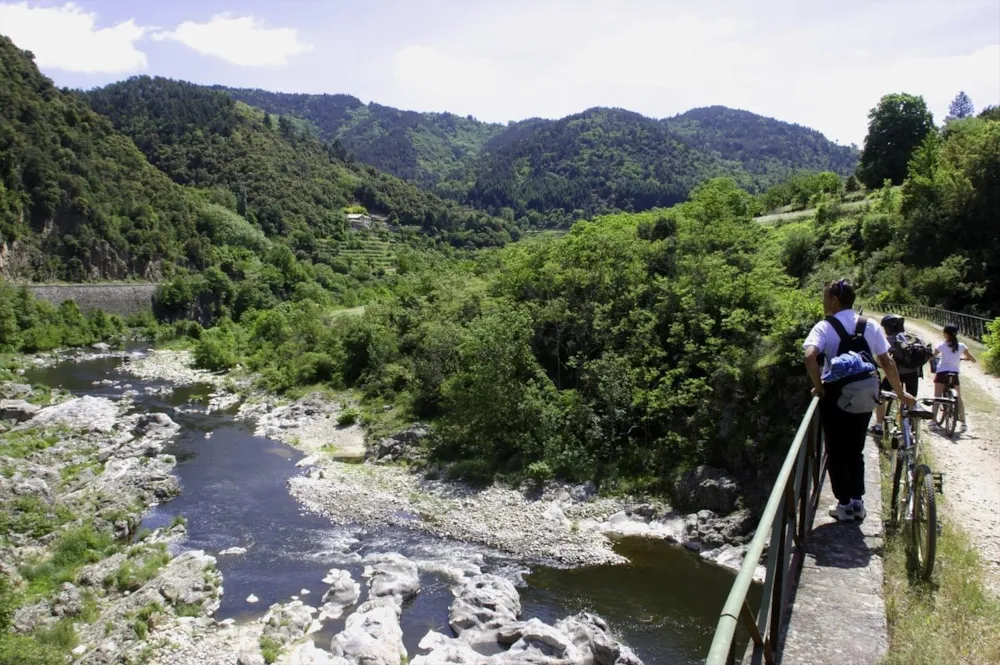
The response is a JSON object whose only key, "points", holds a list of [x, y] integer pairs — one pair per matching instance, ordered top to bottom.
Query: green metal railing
{"points": [[969, 325], [784, 526]]}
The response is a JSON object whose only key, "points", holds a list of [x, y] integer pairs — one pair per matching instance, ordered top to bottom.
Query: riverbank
{"points": [[77, 475], [559, 525]]}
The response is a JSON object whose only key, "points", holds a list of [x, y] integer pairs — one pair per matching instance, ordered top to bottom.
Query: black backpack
{"points": [[910, 352], [857, 393]]}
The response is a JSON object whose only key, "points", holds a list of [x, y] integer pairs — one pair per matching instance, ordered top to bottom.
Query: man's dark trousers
{"points": [[845, 444]]}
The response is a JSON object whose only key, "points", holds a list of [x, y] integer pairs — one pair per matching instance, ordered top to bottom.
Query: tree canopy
{"points": [[896, 127]]}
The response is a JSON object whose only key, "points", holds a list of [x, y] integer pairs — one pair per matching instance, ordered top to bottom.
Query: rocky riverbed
{"points": [[71, 464]]}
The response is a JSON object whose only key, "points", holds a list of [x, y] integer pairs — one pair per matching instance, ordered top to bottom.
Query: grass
{"points": [[23, 443], [33, 517], [72, 550], [141, 566], [188, 609], [144, 619], [950, 619], [61, 636], [270, 648]]}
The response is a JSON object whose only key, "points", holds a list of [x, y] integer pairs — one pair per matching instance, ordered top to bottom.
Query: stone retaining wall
{"points": [[122, 299]]}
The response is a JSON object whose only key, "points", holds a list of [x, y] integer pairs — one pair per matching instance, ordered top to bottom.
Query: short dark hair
{"points": [[844, 290]]}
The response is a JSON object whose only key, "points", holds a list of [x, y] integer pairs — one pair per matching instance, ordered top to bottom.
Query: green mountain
{"points": [[426, 148], [770, 150], [592, 162], [283, 176], [77, 199]]}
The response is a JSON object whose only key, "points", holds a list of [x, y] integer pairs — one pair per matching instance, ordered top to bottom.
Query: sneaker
{"points": [[964, 427], [876, 430], [859, 510], [842, 512]]}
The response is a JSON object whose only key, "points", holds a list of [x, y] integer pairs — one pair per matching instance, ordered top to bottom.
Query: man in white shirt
{"points": [[846, 432]]}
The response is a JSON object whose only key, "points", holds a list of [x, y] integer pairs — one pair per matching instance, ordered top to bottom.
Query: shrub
{"points": [[992, 341], [216, 350], [348, 416], [73, 549], [61, 636], [270, 648]]}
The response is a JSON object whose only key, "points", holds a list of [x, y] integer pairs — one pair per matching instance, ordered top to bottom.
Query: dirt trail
{"points": [[971, 461]]}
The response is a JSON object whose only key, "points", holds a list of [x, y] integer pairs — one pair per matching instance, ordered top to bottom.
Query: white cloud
{"points": [[67, 38], [240, 40], [820, 65]]}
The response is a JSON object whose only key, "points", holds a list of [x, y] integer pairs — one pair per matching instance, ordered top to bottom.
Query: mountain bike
{"points": [[947, 409], [913, 506]]}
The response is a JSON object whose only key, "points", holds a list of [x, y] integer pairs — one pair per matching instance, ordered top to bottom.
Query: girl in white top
{"points": [[949, 354]]}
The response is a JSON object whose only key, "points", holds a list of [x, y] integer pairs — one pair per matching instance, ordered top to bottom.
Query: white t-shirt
{"points": [[825, 338], [949, 360]]}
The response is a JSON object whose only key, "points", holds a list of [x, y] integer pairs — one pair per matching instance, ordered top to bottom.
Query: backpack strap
{"points": [[846, 339]]}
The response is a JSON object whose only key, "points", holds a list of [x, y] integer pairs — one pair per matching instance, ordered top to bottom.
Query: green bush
{"points": [[992, 340], [216, 350], [348, 416], [72, 550], [143, 565], [61, 636], [270, 648]]}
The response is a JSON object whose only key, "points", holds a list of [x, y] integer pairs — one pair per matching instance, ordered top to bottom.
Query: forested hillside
{"points": [[426, 148], [769, 149], [550, 168], [283, 177], [77, 199], [932, 240], [625, 352]]}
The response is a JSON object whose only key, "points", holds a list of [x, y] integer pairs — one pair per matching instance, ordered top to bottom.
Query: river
{"points": [[664, 604]]}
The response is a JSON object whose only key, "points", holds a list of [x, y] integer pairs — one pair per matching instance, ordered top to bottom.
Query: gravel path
{"points": [[971, 462]]}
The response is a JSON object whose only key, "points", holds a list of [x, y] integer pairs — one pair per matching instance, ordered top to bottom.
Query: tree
{"points": [[961, 107], [990, 113], [896, 127]]}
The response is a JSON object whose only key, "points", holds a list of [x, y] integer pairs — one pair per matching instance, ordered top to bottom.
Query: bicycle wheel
{"points": [[941, 414], [951, 419], [895, 510], [924, 522]]}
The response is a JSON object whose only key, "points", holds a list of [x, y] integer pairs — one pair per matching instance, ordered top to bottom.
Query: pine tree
{"points": [[961, 107]]}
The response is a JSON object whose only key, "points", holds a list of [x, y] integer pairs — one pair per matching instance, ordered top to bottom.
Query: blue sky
{"points": [[820, 64]]}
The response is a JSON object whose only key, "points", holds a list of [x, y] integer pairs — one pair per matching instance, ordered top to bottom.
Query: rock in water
{"points": [[101, 346], [82, 413], [392, 575], [343, 593], [253, 599], [486, 602], [290, 622], [371, 637], [308, 654]]}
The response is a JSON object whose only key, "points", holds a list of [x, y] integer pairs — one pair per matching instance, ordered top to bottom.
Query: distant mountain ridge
{"points": [[623, 160]]}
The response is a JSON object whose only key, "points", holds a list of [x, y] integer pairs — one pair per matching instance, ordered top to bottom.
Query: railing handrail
{"points": [[898, 305], [970, 325], [804, 454]]}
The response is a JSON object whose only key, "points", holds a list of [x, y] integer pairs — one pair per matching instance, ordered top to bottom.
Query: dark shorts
{"points": [[947, 378], [910, 381]]}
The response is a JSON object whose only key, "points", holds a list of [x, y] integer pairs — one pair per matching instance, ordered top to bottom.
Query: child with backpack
{"points": [[850, 347], [910, 354]]}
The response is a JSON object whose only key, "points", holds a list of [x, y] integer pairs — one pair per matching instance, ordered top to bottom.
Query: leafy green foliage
{"points": [[896, 128], [803, 190], [79, 198], [29, 325], [992, 341], [608, 354], [348, 416], [72, 550], [142, 565], [270, 648]]}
